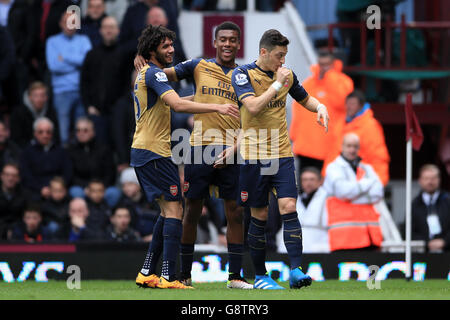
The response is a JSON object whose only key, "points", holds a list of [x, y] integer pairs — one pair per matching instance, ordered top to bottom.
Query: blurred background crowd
{"points": [[67, 121]]}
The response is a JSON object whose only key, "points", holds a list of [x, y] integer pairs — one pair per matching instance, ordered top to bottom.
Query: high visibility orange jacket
{"points": [[308, 137], [373, 148], [353, 221]]}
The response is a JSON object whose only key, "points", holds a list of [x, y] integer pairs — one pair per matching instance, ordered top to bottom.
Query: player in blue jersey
{"points": [[212, 80], [262, 88], [151, 153]]}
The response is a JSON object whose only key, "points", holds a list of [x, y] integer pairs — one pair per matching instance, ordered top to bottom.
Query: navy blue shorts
{"points": [[199, 177], [160, 178], [256, 180]]}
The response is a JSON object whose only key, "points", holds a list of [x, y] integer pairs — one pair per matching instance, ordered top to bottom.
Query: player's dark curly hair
{"points": [[228, 25], [151, 37], [272, 38]]}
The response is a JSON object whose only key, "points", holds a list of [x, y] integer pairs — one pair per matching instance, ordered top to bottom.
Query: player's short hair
{"points": [[228, 25], [151, 37], [272, 38], [359, 95], [429, 167], [313, 170]]}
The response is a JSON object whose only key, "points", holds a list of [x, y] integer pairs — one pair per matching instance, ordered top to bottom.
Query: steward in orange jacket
{"points": [[330, 86], [360, 120], [353, 188]]}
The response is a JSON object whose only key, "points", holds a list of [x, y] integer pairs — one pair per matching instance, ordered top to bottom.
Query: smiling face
{"points": [[227, 45], [164, 53], [274, 59]]}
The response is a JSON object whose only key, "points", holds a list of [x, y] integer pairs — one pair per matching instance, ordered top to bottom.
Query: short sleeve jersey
{"points": [[212, 85], [265, 134], [151, 139]]}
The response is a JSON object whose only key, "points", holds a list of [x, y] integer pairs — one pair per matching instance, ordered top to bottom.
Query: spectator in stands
{"points": [[16, 16], [45, 16], [135, 21], [90, 24], [65, 53], [7, 62], [103, 78], [331, 86], [35, 105], [360, 120], [124, 124], [9, 151], [42, 159], [91, 160], [353, 188], [13, 197], [55, 208], [99, 211], [311, 211], [431, 211], [143, 214], [31, 228], [77, 229], [120, 230]]}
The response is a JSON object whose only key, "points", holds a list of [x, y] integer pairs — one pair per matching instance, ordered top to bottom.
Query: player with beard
{"points": [[218, 133], [151, 153]]}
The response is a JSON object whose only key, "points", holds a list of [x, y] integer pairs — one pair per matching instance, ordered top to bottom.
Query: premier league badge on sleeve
{"points": [[161, 77], [241, 79]]}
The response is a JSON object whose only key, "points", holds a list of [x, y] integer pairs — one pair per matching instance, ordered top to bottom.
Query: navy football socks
{"points": [[172, 231], [292, 234], [257, 245], [155, 248]]}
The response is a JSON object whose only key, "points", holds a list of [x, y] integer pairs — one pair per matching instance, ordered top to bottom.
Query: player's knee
{"points": [[287, 206], [192, 212], [234, 213]]}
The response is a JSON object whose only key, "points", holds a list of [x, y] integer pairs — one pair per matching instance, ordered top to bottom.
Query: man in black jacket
{"points": [[90, 24], [103, 78], [35, 105], [9, 151], [42, 159], [91, 160], [13, 198], [431, 211]]}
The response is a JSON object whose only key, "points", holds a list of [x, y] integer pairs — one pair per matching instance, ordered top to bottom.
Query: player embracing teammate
{"points": [[260, 89]]}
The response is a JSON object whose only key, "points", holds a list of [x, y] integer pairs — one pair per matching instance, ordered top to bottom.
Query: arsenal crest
{"points": [[185, 186], [173, 190], [244, 196]]}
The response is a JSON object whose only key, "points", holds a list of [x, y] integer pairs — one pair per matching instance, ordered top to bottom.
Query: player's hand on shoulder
{"points": [[139, 62], [283, 75], [229, 109]]}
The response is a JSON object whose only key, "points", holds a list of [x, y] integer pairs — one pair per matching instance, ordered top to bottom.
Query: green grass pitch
{"points": [[397, 289]]}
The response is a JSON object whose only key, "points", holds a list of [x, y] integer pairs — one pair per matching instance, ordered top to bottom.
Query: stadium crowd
{"points": [[67, 123]]}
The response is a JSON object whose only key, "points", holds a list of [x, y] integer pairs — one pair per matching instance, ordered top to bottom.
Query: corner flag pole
{"points": [[408, 199], [408, 208]]}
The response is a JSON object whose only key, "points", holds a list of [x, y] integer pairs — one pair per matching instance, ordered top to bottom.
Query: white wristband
{"points": [[277, 85], [320, 105]]}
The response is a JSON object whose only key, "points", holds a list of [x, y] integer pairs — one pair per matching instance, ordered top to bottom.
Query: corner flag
{"points": [[413, 130]]}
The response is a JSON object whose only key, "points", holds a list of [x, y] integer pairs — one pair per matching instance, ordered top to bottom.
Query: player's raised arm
{"points": [[178, 104], [256, 104], [312, 104]]}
